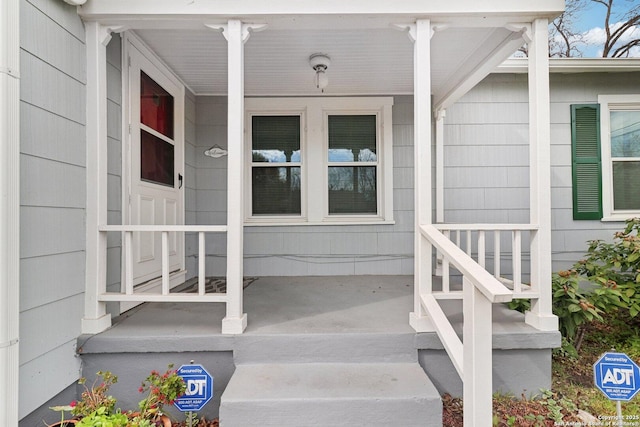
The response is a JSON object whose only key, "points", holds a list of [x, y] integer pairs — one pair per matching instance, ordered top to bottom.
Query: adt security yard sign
{"points": [[617, 376], [199, 388]]}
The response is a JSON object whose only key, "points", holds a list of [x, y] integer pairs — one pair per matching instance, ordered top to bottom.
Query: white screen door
{"points": [[156, 163]]}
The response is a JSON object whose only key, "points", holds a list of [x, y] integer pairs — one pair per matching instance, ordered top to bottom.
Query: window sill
{"points": [[620, 218], [284, 223]]}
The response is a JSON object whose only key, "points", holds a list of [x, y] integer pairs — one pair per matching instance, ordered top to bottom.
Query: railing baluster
{"points": [[468, 232], [458, 238], [481, 246], [496, 253], [128, 260], [517, 260], [165, 263], [201, 263], [445, 275]]}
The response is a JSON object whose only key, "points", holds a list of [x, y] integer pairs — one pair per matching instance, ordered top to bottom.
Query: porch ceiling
{"points": [[368, 55], [363, 62]]}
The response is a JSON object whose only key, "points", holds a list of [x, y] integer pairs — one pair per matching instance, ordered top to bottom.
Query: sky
{"points": [[591, 24]]}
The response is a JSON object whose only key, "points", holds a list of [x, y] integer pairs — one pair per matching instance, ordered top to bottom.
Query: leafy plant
{"points": [[616, 265], [574, 306], [162, 389], [96, 397], [96, 408], [101, 418]]}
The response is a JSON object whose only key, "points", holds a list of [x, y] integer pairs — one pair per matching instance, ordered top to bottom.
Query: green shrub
{"points": [[616, 266]]}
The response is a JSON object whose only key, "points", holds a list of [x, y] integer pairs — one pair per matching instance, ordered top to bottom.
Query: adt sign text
{"points": [[617, 376], [199, 388]]}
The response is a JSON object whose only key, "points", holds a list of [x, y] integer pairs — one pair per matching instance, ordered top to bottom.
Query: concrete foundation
{"points": [[308, 320]]}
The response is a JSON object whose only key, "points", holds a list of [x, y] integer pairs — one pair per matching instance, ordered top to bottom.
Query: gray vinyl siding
{"points": [[486, 175], [53, 194], [570, 237], [307, 250]]}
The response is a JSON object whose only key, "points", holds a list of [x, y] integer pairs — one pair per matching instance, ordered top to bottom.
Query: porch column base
{"points": [[542, 322], [420, 323], [234, 325], [95, 326]]}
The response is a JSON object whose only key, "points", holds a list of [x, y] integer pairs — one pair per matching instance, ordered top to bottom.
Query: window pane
{"points": [[156, 106], [625, 134], [352, 138], [275, 139], [156, 159], [352, 190], [276, 191], [626, 191]]}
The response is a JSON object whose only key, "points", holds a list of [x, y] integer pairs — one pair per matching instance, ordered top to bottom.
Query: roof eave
{"points": [[574, 65]]}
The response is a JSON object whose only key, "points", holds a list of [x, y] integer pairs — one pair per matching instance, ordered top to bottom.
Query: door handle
{"points": [[179, 181]]}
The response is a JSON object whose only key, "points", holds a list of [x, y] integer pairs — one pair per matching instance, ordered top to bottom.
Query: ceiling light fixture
{"points": [[320, 62]]}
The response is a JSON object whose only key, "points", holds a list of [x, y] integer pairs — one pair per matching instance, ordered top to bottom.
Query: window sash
{"points": [[314, 160], [619, 201]]}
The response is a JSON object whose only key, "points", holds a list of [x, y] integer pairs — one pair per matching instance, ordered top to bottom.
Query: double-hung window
{"points": [[606, 158], [319, 161]]}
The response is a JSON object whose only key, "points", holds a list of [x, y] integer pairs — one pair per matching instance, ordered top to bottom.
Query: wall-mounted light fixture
{"points": [[320, 62], [216, 152]]}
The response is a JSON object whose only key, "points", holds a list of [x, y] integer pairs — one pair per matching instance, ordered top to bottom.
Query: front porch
{"points": [[313, 324]]}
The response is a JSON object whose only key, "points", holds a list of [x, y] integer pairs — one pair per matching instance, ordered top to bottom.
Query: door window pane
{"points": [[156, 106], [275, 139], [156, 159], [276, 190], [352, 190], [626, 191]]}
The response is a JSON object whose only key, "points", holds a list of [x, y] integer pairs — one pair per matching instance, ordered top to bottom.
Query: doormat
{"points": [[213, 285]]}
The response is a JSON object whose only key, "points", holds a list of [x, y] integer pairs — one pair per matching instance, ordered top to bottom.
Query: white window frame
{"points": [[610, 103], [314, 162]]}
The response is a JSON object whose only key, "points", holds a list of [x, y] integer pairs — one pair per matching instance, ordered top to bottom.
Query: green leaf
{"points": [[573, 308]]}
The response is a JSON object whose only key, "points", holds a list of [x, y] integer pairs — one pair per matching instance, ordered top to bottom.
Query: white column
{"points": [[421, 34], [439, 130], [9, 209], [541, 315], [96, 318], [235, 321]]}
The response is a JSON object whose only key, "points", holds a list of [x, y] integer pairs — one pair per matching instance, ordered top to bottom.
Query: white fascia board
{"points": [[280, 12], [574, 65]]}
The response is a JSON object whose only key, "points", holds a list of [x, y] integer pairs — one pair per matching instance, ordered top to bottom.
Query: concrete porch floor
{"points": [[315, 320]]}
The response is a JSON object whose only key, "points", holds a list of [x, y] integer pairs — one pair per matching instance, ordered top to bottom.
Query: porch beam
{"points": [[313, 14], [421, 33], [236, 34], [469, 75], [9, 210], [541, 315], [95, 317]]}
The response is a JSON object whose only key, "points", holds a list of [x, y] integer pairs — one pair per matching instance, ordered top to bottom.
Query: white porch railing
{"points": [[474, 239], [130, 295], [472, 356]]}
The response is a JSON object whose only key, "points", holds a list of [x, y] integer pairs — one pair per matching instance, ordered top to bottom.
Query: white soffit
{"points": [[372, 61]]}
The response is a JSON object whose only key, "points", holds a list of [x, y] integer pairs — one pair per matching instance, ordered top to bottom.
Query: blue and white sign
{"points": [[617, 376], [199, 388]]}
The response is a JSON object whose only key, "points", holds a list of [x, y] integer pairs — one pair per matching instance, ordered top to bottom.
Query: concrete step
{"points": [[326, 348], [335, 394]]}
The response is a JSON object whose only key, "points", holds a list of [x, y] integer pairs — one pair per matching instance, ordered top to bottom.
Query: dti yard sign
{"points": [[617, 376], [199, 388]]}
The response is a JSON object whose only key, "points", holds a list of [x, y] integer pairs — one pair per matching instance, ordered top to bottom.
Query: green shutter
{"points": [[586, 165]]}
